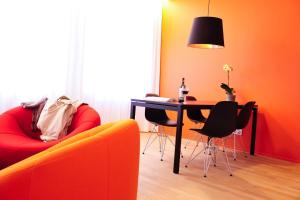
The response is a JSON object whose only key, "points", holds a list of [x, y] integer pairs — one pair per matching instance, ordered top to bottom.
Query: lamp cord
{"points": [[208, 7]]}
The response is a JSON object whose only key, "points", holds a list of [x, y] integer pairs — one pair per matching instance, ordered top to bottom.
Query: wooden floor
{"points": [[254, 177]]}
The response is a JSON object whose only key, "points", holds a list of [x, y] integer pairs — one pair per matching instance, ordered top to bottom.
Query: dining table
{"points": [[180, 107]]}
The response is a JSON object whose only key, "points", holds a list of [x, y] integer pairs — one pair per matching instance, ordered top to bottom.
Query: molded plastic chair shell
{"points": [[194, 114], [244, 115], [158, 116], [221, 121]]}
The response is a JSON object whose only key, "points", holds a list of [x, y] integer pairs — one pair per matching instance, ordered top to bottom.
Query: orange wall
{"points": [[262, 44]]}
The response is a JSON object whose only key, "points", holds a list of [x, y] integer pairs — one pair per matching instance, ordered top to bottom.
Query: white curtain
{"points": [[34, 45], [102, 52]]}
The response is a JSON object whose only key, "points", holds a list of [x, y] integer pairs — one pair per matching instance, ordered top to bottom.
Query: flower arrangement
{"points": [[225, 86]]}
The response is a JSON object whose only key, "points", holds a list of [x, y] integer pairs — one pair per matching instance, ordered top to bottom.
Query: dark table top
{"points": [[203, 104]]}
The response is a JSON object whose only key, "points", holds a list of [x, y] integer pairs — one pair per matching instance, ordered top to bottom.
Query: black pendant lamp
{"points": [[207, 32]]}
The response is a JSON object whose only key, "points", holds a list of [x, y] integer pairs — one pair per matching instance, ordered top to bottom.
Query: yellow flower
{"points": [[227, 68]]}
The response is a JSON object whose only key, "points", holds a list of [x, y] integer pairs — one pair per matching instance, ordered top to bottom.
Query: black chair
{"points": [[195, 115], [158, 118], [242, 121], [220, 123]]}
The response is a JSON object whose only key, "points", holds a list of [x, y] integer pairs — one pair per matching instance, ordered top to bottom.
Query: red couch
{"points": [[17, 141]]}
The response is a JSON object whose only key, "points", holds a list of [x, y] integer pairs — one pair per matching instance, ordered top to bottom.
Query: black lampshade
{"points": [[207, 32]]}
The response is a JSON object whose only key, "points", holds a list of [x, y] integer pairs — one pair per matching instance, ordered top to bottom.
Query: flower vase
{"points": [[230, 97]]}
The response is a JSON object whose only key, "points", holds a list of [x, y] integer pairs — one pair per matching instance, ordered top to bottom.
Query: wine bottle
{"points": [[181, 91]]}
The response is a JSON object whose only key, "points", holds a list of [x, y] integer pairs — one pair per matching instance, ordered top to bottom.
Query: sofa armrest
{"points": [[21, 119], [9, 124], [101, 166]]}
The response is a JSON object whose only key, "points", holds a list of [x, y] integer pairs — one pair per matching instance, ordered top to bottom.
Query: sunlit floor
{"points": [[254, 177]]}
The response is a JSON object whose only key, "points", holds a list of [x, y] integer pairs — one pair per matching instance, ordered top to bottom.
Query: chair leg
{"points": [[156, 130], [153, 131], [162, 138], [159, 140], [189, 140], [200, 140], [164, 141], [147, 142], [241, 142], [187, 143], [224, 146], [234, 146], [243, 146], [210, 155], [193, 157], [214, 158], [207, 159], [227, 161]]}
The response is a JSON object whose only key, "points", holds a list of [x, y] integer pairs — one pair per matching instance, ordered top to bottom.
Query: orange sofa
{"points": [[101, 163]]}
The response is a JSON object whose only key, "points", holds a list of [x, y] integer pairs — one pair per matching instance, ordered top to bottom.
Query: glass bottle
{"points": [[181, 91]]}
